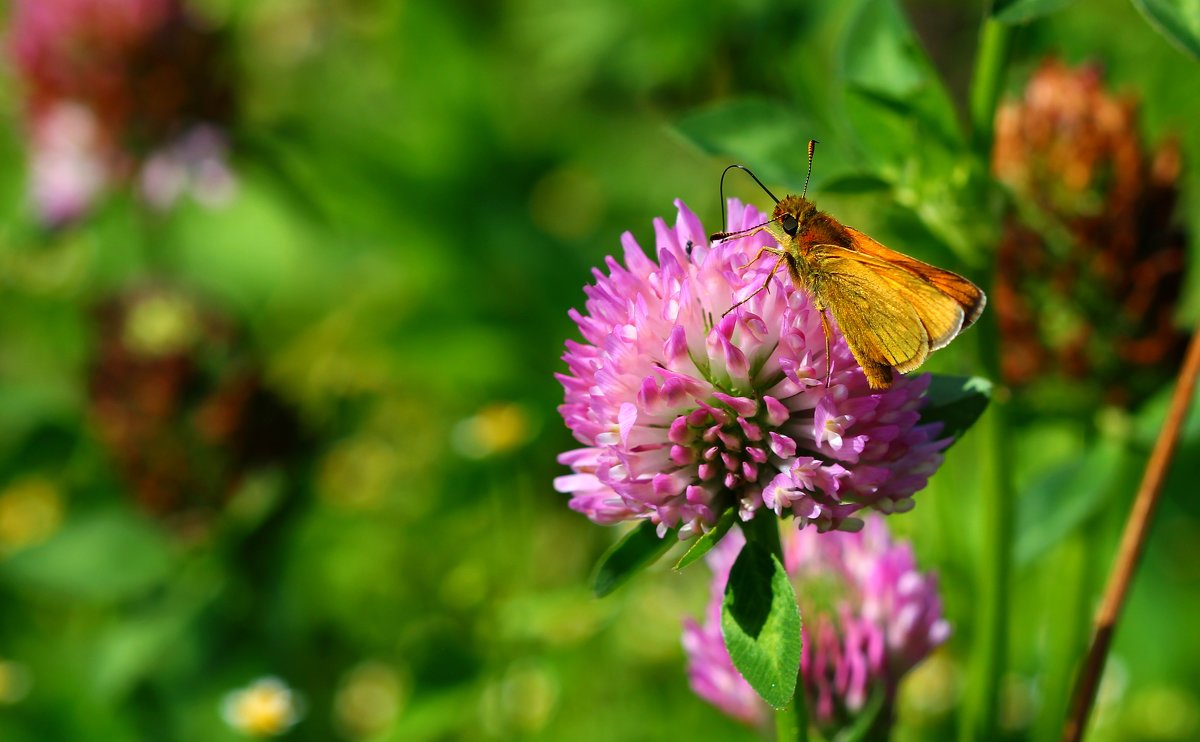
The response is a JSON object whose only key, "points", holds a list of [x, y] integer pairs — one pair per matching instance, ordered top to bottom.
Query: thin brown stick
{"points": [[1133, 542]]}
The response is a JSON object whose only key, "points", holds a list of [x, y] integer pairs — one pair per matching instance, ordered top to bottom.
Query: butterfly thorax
{"points": [[798, 226]]}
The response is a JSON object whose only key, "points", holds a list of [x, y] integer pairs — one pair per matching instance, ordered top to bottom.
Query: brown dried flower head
{"points": [[1090, 264], [177, 399]]}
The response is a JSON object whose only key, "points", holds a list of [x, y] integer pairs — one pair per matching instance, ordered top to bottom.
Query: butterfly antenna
{"points": [[812, 146], [724, 225]]}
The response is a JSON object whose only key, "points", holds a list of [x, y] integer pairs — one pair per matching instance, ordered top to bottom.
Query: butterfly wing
{"points": [[968, 295], [891, 317], [880, 324]]}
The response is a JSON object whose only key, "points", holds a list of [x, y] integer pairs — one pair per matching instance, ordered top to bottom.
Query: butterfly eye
{"points": [[790, 225]]}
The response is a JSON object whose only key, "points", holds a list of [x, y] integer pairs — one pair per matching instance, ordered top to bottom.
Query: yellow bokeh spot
{"points": [[160, 325], [497, 428], [359, 472], [30, 510], [14, 682], [931, 689], [370, 699], [521, 702], [1162, 712]]}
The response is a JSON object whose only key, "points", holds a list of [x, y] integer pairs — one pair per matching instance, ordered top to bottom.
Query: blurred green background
{"points": [[423, 189]]}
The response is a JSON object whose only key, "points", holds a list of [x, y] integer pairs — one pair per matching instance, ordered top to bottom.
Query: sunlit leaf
{"points": [[895, 100], [903, 127], [769, 137], [854, 183], [761, 624], [134, 649]]}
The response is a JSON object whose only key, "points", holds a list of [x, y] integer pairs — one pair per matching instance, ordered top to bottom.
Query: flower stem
{"points": [[986, 83], [997, 500], [764, 529], [996, 534], [1133, 542], [791, 723]]}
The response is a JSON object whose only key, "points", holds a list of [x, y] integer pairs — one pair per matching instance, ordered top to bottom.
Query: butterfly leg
{"points": [[759, 254], [766, 283], [828, 353]]}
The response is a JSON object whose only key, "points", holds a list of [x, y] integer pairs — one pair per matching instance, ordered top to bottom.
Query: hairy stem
{"points": [[1133, 543]]}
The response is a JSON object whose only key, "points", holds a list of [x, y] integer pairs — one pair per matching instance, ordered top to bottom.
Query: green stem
{"points": [[987, 83], [997, 492], [995, 524], [764, 531], [1071, 585], [992, 608], [789, 721]]}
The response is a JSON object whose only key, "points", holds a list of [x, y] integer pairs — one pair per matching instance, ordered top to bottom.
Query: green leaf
{"points": [[1022, 11], [1177, 20], [896, 104], [904, 128], [770, 138], [902, 228], [956, 402], [1148, 421], [1053, 506], [707, 541], [638, 549], [108, 556], [761, 624], [135, 648]]}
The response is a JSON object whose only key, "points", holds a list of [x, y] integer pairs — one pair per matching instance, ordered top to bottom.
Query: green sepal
{"points": [[636, 550]]}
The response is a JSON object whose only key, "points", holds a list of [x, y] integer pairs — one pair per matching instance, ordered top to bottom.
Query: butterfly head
{"points": [[792, 213], [791, 218]]}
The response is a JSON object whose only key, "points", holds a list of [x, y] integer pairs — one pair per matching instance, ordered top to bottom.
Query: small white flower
{"points": [[265, 708]]}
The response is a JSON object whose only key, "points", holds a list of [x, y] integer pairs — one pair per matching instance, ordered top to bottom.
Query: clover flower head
{"points": [[684, 408], [869, 616]]}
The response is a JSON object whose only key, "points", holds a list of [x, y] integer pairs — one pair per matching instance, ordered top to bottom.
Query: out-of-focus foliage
{"points": [[310, 434]]}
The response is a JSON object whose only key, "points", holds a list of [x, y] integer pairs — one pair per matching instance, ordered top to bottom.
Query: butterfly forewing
{"points": [[966, 294], [941, 316]]}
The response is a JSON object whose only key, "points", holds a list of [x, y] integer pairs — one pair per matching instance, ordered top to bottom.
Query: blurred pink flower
{"points": [[110, 88], [197, 163], [68, 166], [683, 412], [869, 617]]}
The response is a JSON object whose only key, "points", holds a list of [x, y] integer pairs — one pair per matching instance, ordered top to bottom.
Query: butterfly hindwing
{"points": [[880, 323]]}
